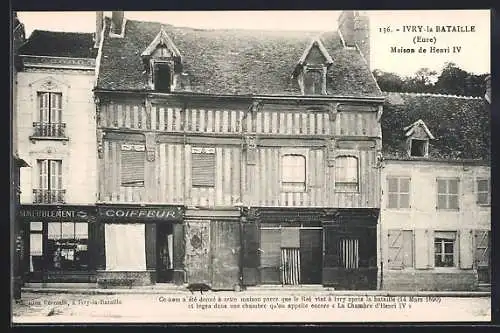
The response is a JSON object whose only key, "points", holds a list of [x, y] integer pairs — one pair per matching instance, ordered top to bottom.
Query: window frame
{"points": [[155, 65], [321, 70], [426, 147], [294, 152], [346, 154], [488, 192], [398, 193], [447, 194], [443, 241]]}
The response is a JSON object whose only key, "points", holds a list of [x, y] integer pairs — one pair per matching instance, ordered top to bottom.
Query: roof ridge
{"points": [[432, 95]]}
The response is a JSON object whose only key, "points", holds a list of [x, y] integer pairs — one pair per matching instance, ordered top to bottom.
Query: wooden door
{"points": [[225, 251], [198, 252], [270, 256], [311, 257]]}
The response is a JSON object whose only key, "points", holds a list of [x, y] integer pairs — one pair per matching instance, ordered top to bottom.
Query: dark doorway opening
{"points": [[164, 254]]}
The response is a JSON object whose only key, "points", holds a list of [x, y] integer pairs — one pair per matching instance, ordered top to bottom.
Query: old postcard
{"points": [[252, 166]]}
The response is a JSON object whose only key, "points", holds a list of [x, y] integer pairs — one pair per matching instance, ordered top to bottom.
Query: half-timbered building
{"points": [[233, 157]]}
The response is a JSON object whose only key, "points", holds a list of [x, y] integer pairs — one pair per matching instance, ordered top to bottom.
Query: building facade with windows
{"points": [[55, 135], [232, 157], [435, 215]]}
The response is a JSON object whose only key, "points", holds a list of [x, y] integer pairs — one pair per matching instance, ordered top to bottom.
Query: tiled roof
{"points": [[59, 44], [231, 62], [460, 125]]}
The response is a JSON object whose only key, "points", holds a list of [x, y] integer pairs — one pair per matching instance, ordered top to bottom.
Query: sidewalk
{"points": [[182, 289]]}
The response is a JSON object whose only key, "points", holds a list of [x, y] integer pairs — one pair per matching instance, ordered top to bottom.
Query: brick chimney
{"points": [[117, 19], [354, 27], [98, 28], [487, 94]]}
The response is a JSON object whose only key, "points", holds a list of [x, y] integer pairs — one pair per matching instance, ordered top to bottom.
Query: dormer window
{"points": [[163, 63], [312, 68], [162, 77], [417, 139], [419, 148]]}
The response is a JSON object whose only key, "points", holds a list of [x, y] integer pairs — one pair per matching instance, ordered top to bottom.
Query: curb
{"points": [[382, 293]]}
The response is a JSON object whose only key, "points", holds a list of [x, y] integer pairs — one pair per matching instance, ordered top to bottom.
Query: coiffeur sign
{"points": [[128, 213]]}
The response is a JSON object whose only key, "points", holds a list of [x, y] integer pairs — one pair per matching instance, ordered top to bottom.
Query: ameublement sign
{"points": [[56, 212], [123, 214]]}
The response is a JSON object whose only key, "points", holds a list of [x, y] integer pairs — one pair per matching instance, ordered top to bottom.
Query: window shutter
{"points": [[44, 100], [55, 108], [43, 168], [132, 168], [203, 169], [407, 248], [482, 248], [466, 249], [422, 251], [395, 254], [250, 255]]}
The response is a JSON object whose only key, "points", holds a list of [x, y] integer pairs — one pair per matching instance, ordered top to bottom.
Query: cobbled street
{"points": [[262, 306]]}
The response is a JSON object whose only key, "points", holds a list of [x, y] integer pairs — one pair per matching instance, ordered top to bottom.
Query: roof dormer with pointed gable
{"points": [[163, 62], [311, 70], [417, 139]]}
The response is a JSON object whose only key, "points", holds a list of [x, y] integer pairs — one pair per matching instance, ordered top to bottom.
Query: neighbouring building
{"points": [[55, 134], [233, 157], [435, 214]]}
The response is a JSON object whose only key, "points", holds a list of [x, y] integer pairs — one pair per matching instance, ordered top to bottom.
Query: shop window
{"points": [[132, 165], [203, 167], [293, 173], [346, 174], [398, 192], [483, 192], [447, 193], [67, 245], [36, 246], [444, 249]]}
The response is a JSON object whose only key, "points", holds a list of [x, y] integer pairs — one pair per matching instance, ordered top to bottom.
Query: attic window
{"points": [[162, 77], [314, 81], [419, 148]]}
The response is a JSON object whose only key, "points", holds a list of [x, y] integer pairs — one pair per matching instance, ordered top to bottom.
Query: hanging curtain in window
{"points": [[125, 247], [349, 253], [290, 265]]}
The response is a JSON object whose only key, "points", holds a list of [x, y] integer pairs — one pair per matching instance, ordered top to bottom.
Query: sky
{"points": [[472, 48]]}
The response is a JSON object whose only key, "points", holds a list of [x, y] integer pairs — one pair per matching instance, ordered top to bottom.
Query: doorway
{"points": [[165, 253]]}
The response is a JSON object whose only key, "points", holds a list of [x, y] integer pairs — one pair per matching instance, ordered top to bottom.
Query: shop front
{"points": [[59, 243], [142, 245], [308, 246]]}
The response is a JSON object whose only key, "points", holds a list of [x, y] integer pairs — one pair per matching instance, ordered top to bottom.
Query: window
{"points": [[162, 77], [314, 83], [50, 115], [418, 148], [132, 165], [203, 167], [293, 173], [346, 174], [49, 182], [398, 189], [483, 191], [447, 193], [36, 246], [67, 246], [444, 249], [349, 253]]}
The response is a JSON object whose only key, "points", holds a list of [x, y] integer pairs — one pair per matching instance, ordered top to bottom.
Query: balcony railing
{"points": [[49, 130], [49, 196]]}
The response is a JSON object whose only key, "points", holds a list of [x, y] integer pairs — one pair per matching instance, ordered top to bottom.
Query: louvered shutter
{"points": [[44, 102], [55, 107], [132, 168], [43, 169], [203, 169], [55, 174], [482, 248], [250, 254], [395, 254]]}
